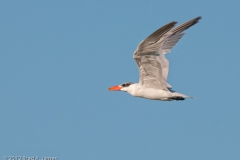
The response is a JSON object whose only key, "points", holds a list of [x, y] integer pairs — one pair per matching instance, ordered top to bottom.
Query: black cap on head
{"points": [[126, 84]]}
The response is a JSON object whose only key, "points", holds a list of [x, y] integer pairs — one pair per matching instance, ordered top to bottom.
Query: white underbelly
{"points": [[151, 93]]}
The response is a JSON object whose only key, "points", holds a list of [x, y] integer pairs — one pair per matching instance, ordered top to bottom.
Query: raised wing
{"points": [[167, 45], [150, 54]]}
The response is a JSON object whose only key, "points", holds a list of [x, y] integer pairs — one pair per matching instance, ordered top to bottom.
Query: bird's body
{"points": [[153, 66], [138, 90], [149, 93]]}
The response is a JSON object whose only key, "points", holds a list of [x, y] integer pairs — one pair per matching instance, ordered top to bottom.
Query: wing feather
{"points": [[150, 54]]}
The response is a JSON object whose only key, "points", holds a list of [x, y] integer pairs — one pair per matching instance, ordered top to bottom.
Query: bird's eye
{"points": [[126, 84]]}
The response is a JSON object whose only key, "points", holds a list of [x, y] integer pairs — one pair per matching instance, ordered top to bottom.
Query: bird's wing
{"points": [[166, 47], [150, 54]]}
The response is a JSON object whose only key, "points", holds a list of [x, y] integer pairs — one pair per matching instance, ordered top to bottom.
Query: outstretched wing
{"points": [[167, 45], [150, 54]]}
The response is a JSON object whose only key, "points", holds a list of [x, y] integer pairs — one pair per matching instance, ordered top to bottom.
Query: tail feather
{"points": [[179, 96]]}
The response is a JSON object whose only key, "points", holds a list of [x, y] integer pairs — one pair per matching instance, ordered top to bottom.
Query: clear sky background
{"points": [[57, 59]]}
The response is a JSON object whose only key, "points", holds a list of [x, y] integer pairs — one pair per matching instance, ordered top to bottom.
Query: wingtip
{"points": [[198, 18]]}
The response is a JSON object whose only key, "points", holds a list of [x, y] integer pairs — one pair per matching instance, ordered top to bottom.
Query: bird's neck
{"points": [[133, 88]]}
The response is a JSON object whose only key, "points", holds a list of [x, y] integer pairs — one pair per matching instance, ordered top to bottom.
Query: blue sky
{"points": [[59, 57]]}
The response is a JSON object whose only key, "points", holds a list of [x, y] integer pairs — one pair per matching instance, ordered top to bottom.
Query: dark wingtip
{"points": [[198, 18], [185, 25], [180, 99]]}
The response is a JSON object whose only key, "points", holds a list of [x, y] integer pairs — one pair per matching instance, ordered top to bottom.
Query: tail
{"points": [[179, 96]]}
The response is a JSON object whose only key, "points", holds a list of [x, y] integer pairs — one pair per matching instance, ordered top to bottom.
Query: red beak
{"points": [[114, 88]]}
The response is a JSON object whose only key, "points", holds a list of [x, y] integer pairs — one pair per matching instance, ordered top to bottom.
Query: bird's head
{"points": [[121, 87]]}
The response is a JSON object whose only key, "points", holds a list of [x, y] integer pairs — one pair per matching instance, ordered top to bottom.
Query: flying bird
{"points": [[153, 65]]}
